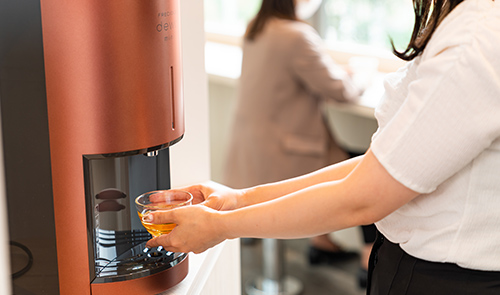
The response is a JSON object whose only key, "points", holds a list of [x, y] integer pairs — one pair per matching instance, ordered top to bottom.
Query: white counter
{"points": [[353, 124], [212, 272]]}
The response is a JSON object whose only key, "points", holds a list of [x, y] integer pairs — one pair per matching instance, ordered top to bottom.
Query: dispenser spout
{"points": [[152, 153]]}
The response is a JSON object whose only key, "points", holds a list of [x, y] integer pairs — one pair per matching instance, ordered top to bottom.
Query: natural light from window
{"points": [[358, 26]]}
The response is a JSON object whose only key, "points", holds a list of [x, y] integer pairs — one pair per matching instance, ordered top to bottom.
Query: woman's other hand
{"points": [[216, 196]]}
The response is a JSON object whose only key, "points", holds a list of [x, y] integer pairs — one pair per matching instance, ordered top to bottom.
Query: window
{"points": [[229, 17], [362, 23], [349, 27]]}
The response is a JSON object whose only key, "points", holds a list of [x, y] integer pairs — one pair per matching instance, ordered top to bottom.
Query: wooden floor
{"points": [[336, 279]]}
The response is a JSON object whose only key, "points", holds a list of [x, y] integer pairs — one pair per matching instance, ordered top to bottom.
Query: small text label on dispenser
{"points": [[166, 24]]}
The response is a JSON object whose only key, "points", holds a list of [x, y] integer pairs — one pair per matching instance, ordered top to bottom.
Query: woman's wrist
{"points": [[246, 197], [224, 225]]}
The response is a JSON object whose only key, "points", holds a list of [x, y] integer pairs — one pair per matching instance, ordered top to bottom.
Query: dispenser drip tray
{"points": [[136, 262]]}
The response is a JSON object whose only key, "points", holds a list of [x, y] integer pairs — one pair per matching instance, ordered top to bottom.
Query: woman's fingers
{"points": [[199, 192], [215, 202], [159, 217], [195, 230], [155, 242], [168, 242]]}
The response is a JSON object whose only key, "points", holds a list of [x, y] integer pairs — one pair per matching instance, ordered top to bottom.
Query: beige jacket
{"points": [[278, 130]]}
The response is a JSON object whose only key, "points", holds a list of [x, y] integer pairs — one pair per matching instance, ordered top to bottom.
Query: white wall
{"points": [[222, 100], [190, 158]]}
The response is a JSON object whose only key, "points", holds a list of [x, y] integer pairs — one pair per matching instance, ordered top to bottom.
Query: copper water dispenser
{"points": [[91, 99]]}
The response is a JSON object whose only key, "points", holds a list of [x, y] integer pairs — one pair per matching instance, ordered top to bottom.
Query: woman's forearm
{"points": [[266, 192], [368, 194], [296, 215]]}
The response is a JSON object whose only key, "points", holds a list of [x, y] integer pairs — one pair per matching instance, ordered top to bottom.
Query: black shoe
{"points": [[318, 256]]}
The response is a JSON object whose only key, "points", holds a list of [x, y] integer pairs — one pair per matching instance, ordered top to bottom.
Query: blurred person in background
{"points": [[278, 129]]}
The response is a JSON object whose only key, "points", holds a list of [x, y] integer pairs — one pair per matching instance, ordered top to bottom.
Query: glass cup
{"points": [[161, 200]]}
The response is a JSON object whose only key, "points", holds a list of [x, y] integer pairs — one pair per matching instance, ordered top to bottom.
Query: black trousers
{"points": [[394, 272]]}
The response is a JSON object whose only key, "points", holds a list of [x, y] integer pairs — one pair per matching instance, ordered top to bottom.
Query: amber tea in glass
{"points": [[161, 200]]}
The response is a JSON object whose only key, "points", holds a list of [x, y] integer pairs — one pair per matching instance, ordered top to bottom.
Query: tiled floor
{"points": [[336, 279]]}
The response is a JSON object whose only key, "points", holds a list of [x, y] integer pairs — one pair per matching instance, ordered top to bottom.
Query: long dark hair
{"points": [[284, 9], [428, 15]]}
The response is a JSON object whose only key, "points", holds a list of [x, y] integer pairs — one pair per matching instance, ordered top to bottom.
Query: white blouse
{"points": [[439, 135]]}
